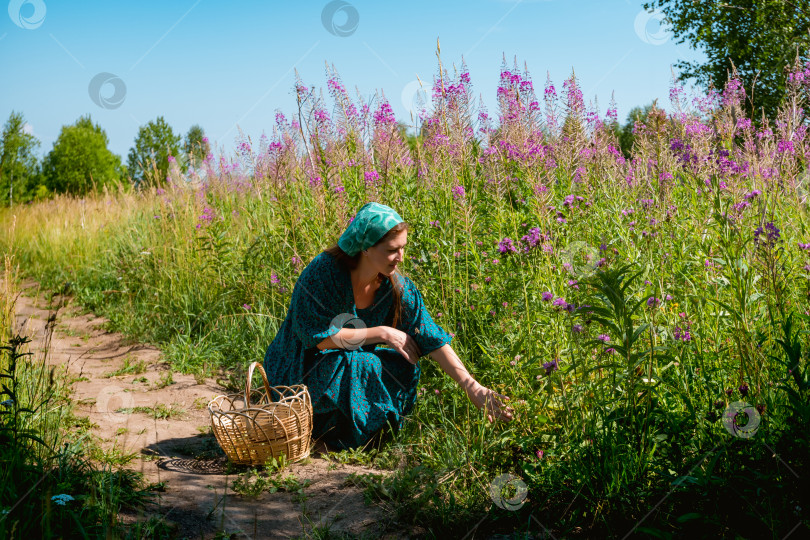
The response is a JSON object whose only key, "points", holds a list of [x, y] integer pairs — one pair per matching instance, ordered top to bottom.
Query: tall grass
{"points": [[624, 304]]}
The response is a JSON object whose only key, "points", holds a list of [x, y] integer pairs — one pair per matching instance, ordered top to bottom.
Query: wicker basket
{"points": [[258, 425]]}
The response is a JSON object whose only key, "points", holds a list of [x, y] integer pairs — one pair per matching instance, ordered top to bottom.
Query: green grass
{"points": [[130, 367], [159, 411]]}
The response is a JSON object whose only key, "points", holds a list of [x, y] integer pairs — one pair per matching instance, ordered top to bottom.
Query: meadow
{"points": [[647, 314]]}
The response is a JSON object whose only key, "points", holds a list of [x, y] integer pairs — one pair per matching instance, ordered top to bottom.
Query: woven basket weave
{"points": [[258, 425]]}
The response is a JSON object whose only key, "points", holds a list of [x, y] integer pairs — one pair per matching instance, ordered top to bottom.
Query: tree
{"points": [[760, 38], [625, 133], [196, 145], [80, 160], [148, 160], [19, 166]]}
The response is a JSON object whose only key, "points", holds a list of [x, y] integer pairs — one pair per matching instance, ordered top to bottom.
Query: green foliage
{"points": [[760, 38], [625, 133], [196, 146], [80, 160], [148, 160], [19, 166]]}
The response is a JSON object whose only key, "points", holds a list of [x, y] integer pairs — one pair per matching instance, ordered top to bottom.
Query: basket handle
{"points": [[253, 366]]}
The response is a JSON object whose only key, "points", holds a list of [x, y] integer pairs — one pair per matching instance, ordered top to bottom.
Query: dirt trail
{"points": [[178, 451]]}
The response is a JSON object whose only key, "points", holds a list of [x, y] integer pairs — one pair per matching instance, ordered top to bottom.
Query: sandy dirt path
{"points": [[179, 451]]}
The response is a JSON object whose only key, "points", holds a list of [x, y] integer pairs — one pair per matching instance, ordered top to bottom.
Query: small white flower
{"points": [[145, 253], [62, 499]]}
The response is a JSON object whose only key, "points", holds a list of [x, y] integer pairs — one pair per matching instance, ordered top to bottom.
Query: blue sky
{"points": [[228, 64]]}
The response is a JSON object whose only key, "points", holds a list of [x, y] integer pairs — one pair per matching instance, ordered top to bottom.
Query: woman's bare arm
{"points": [[354, 338], [480, 395]]}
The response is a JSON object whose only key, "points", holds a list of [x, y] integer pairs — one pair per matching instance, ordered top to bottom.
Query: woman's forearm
{"points": [[354, 338], [451, 364]]}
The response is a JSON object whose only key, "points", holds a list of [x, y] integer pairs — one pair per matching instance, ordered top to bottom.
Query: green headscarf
{"points": [[370, 224]]}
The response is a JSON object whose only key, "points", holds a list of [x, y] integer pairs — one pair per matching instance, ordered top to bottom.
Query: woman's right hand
{"points": [[403, 344]]}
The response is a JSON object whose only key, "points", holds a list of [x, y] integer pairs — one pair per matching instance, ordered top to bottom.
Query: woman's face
{"points": [[388, 254]]}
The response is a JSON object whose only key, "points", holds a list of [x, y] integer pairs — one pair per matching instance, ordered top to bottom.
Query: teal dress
{"points": [[356, 390]]}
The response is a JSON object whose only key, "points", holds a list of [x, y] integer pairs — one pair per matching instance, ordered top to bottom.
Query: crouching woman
{"points": [[355, 331]]}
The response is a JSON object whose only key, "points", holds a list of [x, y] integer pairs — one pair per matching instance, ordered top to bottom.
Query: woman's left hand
{"points": [[494, 403]]}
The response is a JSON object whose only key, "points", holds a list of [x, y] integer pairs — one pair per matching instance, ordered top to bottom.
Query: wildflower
{"points": [[371, 177], [458, 193], [435, 223], [771, 233], [506, 246], [495, 261], [274, 279], [487, 279], [573, 283], [547, 296], [668, 297], [559, 302], [653, 302], [505, 304], [247, 307], [492, 312], [440, 314], [577, 328], [603, 337], [610, 350], [512, 363], [551, 367], [743, 389], [729, 391], [719, 404], [761, 409], [539, 454], [62, 499]]}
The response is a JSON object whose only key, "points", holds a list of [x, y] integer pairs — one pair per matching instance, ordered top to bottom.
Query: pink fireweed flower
{"points": [[371, 177], [458, 193]]}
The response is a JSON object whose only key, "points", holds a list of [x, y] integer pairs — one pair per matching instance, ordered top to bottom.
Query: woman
{"points": [[346, 303]]}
